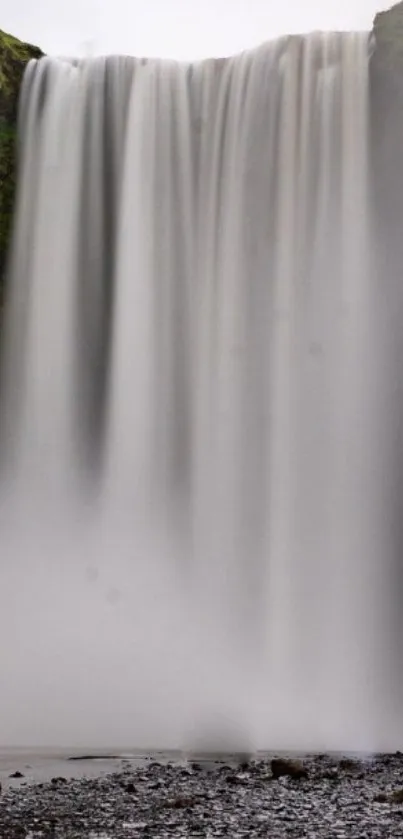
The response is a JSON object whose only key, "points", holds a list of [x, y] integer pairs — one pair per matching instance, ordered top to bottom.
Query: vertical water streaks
{"points": [[188, 401]]}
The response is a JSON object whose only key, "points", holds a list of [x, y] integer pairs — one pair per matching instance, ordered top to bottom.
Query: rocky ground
{"points": [[322, 797]]}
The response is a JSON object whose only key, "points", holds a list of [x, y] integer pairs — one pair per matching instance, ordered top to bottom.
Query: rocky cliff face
{"points": [[388, 32], [14, 55], [386, 79]]}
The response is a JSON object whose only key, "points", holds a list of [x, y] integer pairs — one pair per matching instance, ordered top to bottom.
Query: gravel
{"points": [[333, 799]]}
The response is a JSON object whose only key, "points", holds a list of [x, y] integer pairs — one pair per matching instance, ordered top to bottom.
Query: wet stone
{"points": [[284, 768], [167, 801]]}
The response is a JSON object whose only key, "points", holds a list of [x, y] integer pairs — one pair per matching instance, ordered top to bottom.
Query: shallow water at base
{"points": [[40, 765]]}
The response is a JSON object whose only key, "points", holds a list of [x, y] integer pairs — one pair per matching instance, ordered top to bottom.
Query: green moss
{"points": [[14, 56]]}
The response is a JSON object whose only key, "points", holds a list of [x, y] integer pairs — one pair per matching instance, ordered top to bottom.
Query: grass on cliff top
{"points": [[20, 49], [13, 54]]}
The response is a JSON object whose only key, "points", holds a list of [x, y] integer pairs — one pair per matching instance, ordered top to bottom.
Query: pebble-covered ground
{"points": [[320, 798]]}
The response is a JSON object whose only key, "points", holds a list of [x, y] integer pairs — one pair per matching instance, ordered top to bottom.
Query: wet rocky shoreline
{"points": [[318, 797]]}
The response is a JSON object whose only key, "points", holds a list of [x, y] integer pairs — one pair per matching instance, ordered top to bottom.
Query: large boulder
{"points": [[14, 55]]}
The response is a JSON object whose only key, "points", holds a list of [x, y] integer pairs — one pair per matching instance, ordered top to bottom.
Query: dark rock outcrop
{"points": [[388, 33], [14, 56], [386, 92], [285, 768]]}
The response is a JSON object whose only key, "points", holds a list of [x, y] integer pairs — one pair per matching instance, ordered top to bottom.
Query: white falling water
{"points": [[191, 528]]}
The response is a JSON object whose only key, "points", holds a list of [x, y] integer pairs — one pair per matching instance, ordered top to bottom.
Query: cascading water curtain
{"points": [[189, 415]]}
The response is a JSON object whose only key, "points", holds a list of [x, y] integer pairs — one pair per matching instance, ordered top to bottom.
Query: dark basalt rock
{"points": [[388, 35], [386, 98], [94, 757], [347, 764], [284, 768], [130, 788], [395, 797], [381, 798], [183, 801]]}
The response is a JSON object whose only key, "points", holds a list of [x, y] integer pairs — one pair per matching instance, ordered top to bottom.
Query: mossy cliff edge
{"points": [[14, 56], [386, 85]]}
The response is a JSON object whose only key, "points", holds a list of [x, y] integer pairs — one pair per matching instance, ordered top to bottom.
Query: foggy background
{"points": [[181, 29]]}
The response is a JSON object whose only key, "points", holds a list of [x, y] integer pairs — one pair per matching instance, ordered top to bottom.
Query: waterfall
{"points": [[193, 541]]}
